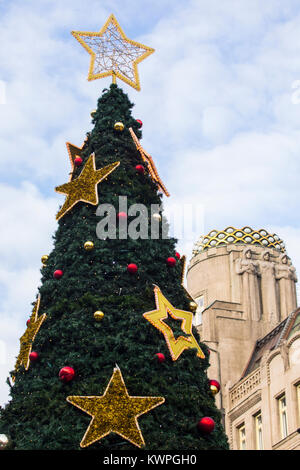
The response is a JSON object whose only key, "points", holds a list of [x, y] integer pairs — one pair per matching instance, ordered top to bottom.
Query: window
{"points": [[197, 318], [298, 400], [283, 416], [258, 432], [242, 437]]}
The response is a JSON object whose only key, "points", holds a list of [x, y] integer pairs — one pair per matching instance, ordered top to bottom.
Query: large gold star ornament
{"points": [[112, 53], [84, 188], [157, 317], [28, 337], [115, 411]]}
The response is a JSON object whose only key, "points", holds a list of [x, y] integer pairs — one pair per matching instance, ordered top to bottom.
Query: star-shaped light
{"points": [[112, 53], [73, 152], [149, 161], [84, 188], [156, 317], [28, 337], [115, 411]]}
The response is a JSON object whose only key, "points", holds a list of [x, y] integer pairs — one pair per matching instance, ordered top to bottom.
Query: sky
{"points": [[220, 105]]}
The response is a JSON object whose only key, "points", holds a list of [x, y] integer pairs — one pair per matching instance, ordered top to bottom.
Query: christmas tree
{"points": [[109, 358]]}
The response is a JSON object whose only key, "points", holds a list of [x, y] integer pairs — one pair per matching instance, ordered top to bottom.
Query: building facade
{"points": [[244, 285]]}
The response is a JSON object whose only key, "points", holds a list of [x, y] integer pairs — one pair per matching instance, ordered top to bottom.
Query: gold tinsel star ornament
{"points": [[112, 53], [84, 188], [157, 317], [28, 337], [115, 411]]}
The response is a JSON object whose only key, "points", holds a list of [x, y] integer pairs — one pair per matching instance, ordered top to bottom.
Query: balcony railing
{"points": [[241, 390]]}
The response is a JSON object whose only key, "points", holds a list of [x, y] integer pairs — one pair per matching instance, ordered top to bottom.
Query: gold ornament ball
{"points": [[93, 112], [119, 126], [157, 216], [88, 246], [44, 259], [193, 306], [98, 315], [214, 390], [4, 441]]}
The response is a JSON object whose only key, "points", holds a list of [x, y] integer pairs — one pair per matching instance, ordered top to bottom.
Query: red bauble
{"points": [[139, 122], [77, 161], [140, 169], [122, 215], [177, 255], [171, 261], [132, 268], [58, 274], [28, 321], [33, 356], [160, 357], [66, 374], [214, 383], [206, 425]]}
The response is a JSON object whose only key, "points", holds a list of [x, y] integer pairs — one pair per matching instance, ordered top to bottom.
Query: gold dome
{"points": [[246, 236]]}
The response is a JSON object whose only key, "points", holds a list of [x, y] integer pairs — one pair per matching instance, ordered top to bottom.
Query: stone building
{"points": [[244, 285]]}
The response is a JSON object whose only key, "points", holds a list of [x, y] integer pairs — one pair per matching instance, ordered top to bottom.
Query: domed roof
{"points": [[246, 236]]}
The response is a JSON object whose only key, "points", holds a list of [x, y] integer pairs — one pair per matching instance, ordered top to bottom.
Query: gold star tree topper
{"points": [[112, 53], [84, 188], [156, 317], [28, 337], [115, 411]]}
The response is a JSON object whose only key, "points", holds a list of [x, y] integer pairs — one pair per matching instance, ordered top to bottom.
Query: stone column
{"points": [[248, 269], [286, 276], [268, 288]]}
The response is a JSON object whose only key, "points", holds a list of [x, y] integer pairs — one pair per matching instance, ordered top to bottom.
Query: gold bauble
{"points": [[93, 112], [119, 126], [156, 216], [88, 246], [44, 259], [193, 306], [98, 315], [214, 390], [4, 442]]}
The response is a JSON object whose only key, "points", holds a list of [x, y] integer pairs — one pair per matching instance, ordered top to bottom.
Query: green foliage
{"points": [[38, 415]]}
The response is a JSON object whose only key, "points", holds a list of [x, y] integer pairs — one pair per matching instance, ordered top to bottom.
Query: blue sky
{"points": [[221, 121]]}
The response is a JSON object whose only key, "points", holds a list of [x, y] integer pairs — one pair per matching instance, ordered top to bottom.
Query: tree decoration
{"points": [[112, 53], [93, 112], [140, 123], [119, 126], [74, 156], [78, 161], [149, 161], [140, 169], [84, 188], [122, 216], [157, 216], [89, 245], [177, 255], [44, 259], [171, 261], [132, 268], [58, 273], [193, 306], [98, 316], [156, 317], [28, 337], [33, 356], [160, 357], [66, 374], [214, 386], [114, 411], [206, 425], [4, 442]]}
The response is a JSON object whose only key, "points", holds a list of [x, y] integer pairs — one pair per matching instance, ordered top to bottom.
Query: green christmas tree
{"points": [[109, 359]]}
